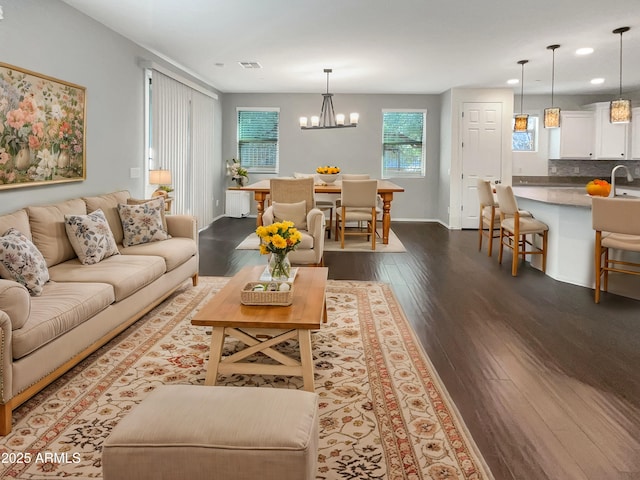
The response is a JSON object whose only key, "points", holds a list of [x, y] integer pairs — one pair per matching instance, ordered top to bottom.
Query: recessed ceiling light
{"points": [[584, 51], [513, 81], [597, 81]]}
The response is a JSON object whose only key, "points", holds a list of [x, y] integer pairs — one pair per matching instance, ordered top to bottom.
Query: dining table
{"points": [[386, 189]]}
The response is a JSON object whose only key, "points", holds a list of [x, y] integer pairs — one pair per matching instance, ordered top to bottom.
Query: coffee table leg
{"points": [[217, 342], [306, 358]]}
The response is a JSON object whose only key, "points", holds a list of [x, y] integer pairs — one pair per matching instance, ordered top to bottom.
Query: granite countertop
{"points": [[573, 196]]}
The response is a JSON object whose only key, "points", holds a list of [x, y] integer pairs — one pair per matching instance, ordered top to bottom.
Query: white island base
{"points": [[570, 256]]}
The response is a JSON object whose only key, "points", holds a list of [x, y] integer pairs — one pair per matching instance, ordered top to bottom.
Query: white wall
{"points": [[51, 38], [354, 150]]}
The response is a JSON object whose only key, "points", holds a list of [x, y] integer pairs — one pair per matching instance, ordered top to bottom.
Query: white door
{"points": [[481, 154]]}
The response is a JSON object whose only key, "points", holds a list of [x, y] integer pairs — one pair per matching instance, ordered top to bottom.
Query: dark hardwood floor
{"points": [[548, 383]]}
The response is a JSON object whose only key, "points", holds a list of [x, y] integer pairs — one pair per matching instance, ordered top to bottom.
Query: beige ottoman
{"points": [[231, 433]]}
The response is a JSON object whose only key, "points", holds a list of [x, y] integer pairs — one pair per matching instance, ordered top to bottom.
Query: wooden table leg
{"points": [[260, 197], [386, 216], [217, 342], [306, 358]]}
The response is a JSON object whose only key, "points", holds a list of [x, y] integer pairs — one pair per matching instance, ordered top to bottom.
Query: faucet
{"points": [[612, 193]]}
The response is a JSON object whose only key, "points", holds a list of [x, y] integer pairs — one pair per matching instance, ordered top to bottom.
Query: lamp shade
{"points": [[620, 111], [552, 117], [521, 123], [160, 177]]}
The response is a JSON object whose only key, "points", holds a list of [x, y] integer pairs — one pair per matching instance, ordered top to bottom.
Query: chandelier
{"points": [[328, 117]]}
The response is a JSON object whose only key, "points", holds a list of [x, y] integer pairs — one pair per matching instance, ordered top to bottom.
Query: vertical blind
{"points": [[258, 132], [183, 142], [402, 144]]}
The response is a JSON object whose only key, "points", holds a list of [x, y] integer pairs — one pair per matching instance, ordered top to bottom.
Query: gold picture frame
{"points": [[42, 129]]}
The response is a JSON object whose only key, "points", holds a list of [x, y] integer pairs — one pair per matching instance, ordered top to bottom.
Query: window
{"points": [[403, 134], [258, 139], [526, 141]]}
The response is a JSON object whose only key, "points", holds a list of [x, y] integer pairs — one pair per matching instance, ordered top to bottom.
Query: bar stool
{"points": [[489, 217], [615, 221], [514, 229]]}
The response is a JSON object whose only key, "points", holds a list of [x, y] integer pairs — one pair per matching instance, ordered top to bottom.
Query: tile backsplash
{"points": [[590, 168]]}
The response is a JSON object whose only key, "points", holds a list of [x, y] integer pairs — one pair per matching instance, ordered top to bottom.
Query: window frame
{"points": [[252, 168], [385, 172]]}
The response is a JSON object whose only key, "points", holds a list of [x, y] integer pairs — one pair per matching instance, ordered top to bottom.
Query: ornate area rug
{"points": [[351, 244], [384, 413]]}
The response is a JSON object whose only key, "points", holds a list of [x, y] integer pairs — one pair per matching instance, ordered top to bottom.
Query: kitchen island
{"points": [[570, 257]]}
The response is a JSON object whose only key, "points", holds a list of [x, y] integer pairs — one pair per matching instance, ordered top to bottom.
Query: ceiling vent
{"points": [[250, 65]]}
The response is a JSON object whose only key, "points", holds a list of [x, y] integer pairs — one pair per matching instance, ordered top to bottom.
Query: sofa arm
{"points": [[316, 223], [182, 226], [15, 301], [6, 356]]}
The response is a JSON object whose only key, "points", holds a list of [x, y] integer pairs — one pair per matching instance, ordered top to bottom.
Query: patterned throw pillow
{"points": [[142, 223], [90, 237], [22, 262]]}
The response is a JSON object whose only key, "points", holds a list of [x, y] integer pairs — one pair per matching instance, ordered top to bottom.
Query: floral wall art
{"points": [[42, 129]]}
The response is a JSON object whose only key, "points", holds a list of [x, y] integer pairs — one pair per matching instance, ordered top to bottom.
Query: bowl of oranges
{"points": [[328, 174], [598, 188]]}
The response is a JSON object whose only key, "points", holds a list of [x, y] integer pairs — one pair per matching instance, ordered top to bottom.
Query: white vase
{"points": [[63, 159], [22, 160]]}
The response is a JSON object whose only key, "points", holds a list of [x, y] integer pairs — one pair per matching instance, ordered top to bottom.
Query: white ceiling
{"points": [[385, 46]]}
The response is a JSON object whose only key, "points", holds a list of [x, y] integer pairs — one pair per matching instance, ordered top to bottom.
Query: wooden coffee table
{"points": [[254, 326]]}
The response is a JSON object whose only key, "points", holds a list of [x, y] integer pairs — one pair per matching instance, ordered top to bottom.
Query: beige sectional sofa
{"points": [[82, 306]]}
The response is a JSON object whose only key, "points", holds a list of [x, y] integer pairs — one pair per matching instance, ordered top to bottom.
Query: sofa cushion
{"points": [[140, 201], [109, 205], [294, 212], [18, 220], [142, 223], [48, 230], [90, 237], [175, 251], [21, 261], [126, 273], [15, 302], [61, 307]]}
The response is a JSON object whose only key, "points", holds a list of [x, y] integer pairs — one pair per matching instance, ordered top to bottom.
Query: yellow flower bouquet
{"points": [[278, 239]]}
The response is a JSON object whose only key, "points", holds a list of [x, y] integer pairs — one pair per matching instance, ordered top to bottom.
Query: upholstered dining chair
{"points": [[361, 176], [293, 199], [324, 201], [358, 202], [489, 217], [615, 221], [514, 229]]}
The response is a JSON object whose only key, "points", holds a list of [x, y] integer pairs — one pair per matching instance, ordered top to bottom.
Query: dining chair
{"points": [[362, 176], [324, 201], [358, 202], [489, 216], [615, 221], [514, 229]]}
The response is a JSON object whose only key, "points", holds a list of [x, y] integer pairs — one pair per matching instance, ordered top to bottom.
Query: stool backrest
{"points": [[485, 195], [506, 199], [616, 215]]}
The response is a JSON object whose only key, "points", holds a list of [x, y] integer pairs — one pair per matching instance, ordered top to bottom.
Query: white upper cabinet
{"points": [[635, 133], [576, 136], [612, 139]]}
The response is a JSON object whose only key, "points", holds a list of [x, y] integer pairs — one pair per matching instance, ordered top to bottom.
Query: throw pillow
{"points": [[136, 201], [294, 212], [142, 223], [90, 237], [22, 262]]}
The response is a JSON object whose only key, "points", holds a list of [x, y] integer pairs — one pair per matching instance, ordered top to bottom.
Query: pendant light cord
{"points": [[621, 64], [553, 72], [522, 87]]}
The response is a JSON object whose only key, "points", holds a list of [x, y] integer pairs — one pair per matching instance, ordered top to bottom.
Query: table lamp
{"points": [[160, 177]]}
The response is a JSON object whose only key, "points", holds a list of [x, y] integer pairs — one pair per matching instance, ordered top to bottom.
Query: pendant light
{"points": [[620, 110], [552, 114], [328, 117], [522, 119]]}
